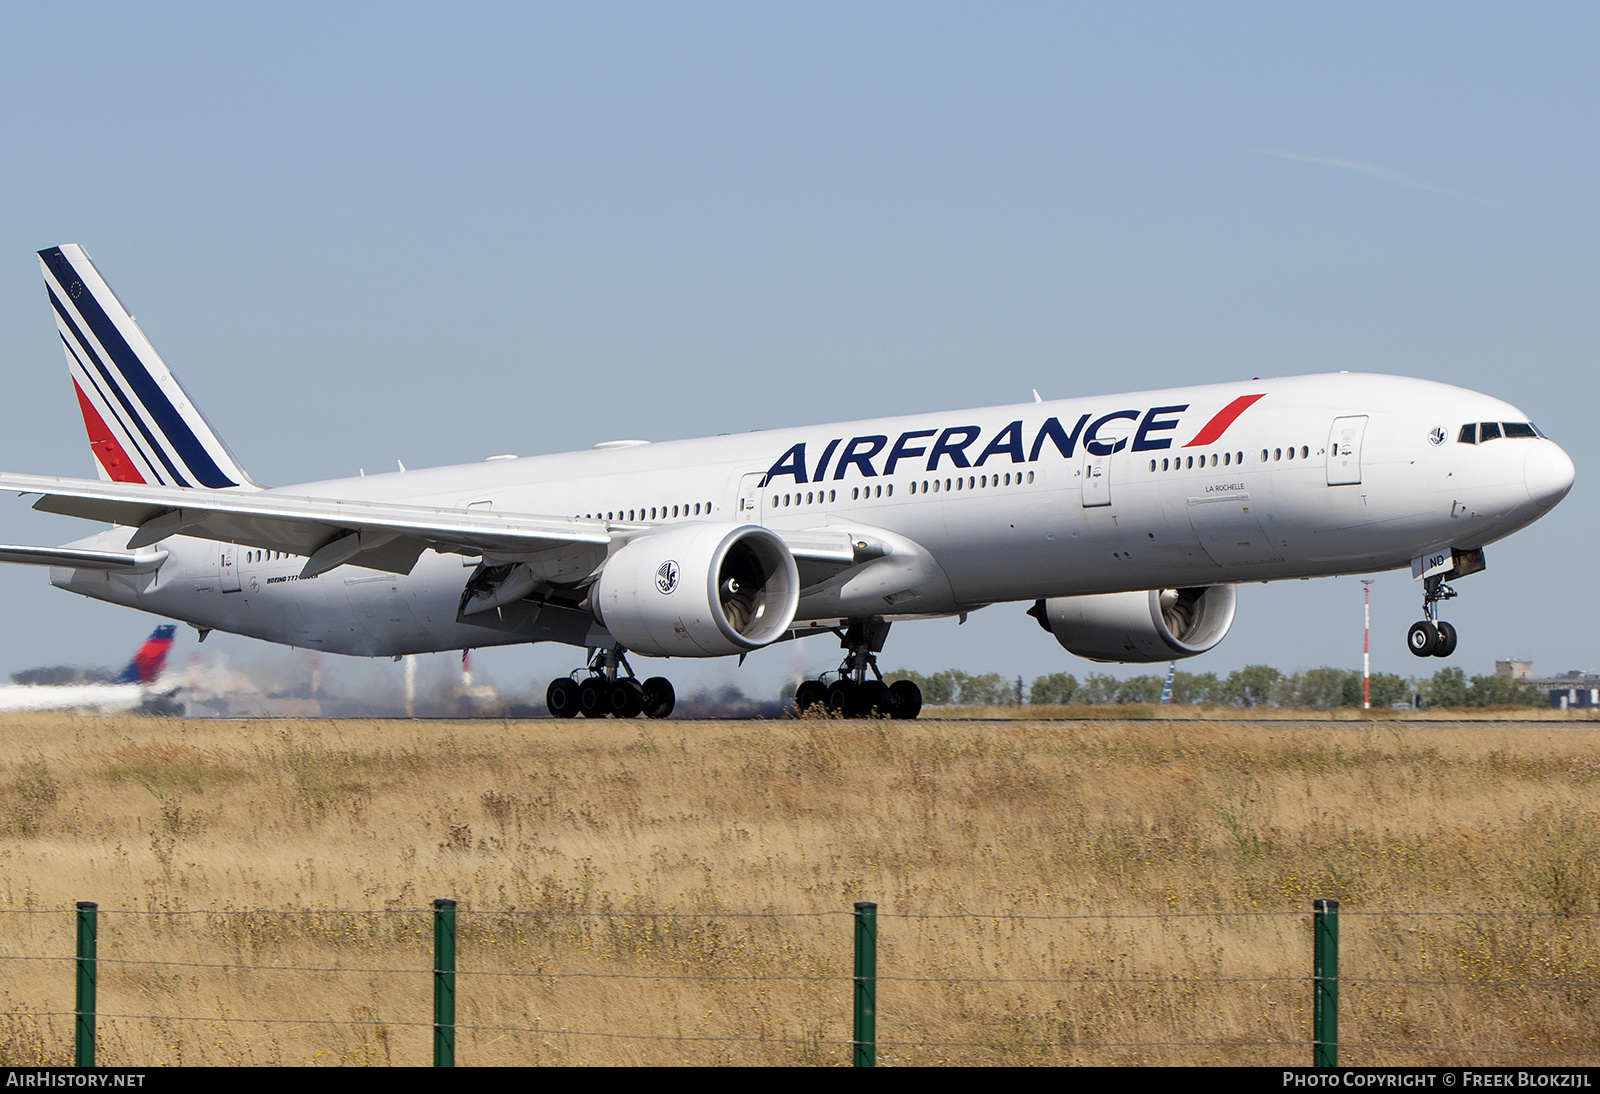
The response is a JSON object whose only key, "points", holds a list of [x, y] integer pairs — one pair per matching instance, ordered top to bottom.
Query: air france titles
{"points": [[1013, 443]]}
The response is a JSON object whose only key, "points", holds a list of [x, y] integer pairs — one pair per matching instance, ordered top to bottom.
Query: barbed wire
{"points": [[819, 978]]}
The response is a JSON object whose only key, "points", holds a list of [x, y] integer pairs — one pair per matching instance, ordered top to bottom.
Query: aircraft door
{"points": [[1344, 450], [1097, 467], [751, 494], [229, 566]]}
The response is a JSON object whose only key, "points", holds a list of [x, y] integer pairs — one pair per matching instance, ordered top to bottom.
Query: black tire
{"points": [[1422, 638], [1447, 641], [809, 694], [561, 698], [659, 698], [842, 698], [873, 698], [592, 699], [625, 699], [907, 699]]}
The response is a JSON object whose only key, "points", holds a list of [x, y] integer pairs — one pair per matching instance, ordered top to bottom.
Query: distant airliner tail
{"points": [[143, 427], [147, 665]]}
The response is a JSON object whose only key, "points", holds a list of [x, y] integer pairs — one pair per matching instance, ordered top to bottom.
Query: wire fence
{"points": [[567, 986]]}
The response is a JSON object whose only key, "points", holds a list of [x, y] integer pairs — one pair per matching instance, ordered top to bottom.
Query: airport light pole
{"points": [[1366, 644]]}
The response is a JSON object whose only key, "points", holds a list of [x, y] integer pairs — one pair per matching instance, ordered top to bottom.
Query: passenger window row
{"points": [[1229, 459], [882, 490], [649, 514]]}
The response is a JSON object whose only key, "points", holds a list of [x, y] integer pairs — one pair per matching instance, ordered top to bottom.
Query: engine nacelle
{"points": [[699, 590], [1159, 625]]}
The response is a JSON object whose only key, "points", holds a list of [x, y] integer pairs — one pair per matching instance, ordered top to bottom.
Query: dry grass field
{"points": [[1071, 891]]}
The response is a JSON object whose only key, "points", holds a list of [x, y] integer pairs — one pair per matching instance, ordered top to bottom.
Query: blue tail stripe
{"points": [[130, 413], [167, 418]]}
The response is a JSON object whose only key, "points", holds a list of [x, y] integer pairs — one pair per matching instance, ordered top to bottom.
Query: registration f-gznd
{"points": [[1123, 521]]}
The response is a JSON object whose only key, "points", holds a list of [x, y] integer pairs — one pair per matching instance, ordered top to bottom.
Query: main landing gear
{"points": [[1432, 636], [603, 692], [852, 694]]}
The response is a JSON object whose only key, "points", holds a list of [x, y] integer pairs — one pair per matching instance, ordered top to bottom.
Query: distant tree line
{"points": [[954, 686], [1251, 686]]}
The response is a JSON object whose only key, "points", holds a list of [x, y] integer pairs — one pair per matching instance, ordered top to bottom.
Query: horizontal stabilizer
{"points": [[125, 562]]}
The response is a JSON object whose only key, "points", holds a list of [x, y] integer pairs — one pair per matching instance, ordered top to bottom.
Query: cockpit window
{"points": [[1479, 432]]}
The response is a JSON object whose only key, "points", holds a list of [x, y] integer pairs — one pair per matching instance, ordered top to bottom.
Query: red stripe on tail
{"points": [[1217, 426], [104, 443]]}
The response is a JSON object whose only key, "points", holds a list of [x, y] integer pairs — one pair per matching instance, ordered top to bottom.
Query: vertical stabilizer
{"points": [[142, 425], [151, 660]]}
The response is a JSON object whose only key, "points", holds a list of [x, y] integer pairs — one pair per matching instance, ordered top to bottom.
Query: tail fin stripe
{"points": [[77, 369], [129, 412], [165, 416], [127, 439], [104, 444]]}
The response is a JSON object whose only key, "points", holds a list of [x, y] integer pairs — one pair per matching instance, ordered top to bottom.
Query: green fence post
{"points": [[444, 983], [1325, 984], [866, 1032], [83, 1052]]}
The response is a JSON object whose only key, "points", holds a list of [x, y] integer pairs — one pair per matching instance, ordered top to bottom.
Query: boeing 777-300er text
{"points": [[1124, 521]]}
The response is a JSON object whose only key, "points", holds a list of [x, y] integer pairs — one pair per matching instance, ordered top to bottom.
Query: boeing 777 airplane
{"points": [[1124, 522]]}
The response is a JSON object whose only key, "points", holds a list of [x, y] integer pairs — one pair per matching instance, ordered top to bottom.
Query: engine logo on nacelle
{"points": [[667, 576]]}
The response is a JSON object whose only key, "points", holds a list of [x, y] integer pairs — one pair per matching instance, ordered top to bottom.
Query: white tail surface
{"points": [[142, 425]]}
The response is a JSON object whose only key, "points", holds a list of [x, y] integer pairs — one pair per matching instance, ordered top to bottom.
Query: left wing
{"points": [[327, 531], [380, 535]]}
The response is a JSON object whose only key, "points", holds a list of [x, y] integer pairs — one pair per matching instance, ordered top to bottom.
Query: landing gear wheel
{"points": [[1423, 638], [1447, 640], [810, 693], [592, 697], [659, 698], [842, 698], [873, 698], [625, 699], [907, 699], [561, 700]]}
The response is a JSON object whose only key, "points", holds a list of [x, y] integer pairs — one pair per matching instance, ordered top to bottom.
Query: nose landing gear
{"points": [[1432, 636], [603, 692]]}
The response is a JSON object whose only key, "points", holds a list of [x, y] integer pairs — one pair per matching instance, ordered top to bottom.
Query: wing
{"points": [[329, 532]]}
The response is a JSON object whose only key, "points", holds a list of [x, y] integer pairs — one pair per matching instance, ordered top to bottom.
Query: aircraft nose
{"points": [[1548, 473]]}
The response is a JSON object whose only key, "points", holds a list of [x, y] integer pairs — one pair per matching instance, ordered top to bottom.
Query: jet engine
{"points": [[698, 590], [1158, 625]]}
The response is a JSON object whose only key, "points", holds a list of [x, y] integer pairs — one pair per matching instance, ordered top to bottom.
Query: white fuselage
{"points": [[1319, 475]]}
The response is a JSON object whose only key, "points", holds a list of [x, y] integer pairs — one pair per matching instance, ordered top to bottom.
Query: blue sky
{"points": [[429, 233]]}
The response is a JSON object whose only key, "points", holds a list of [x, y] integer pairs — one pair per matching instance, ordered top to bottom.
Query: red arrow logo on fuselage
{"points": [[1217, 426]]}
